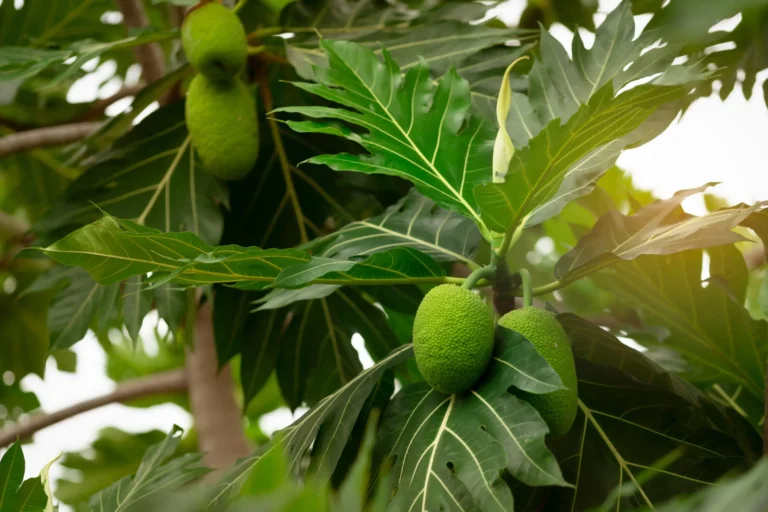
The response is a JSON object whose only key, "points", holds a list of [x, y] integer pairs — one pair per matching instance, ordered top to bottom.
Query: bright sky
{"points": [[714, 141]]}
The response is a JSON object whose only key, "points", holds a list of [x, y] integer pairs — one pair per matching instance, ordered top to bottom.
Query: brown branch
{"points": [[150, 56], [48, 136], [173, 381], [217, 416]]}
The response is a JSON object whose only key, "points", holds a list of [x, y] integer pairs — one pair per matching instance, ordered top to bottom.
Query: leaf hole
{"points": [[451, 467]]}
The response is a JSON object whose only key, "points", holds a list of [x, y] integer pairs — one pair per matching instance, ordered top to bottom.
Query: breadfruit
{"points": [[214, 41], [222, 121], [542, 329], [453, 336]]}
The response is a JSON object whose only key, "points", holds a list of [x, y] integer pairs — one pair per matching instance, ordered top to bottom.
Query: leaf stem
{"points": [[253, 50], [284, 163], [481, 273], [547, 288], [527, 291]]}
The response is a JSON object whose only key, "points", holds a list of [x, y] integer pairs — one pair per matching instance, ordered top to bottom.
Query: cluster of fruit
{"points": [[220, 110], [453, 341]]}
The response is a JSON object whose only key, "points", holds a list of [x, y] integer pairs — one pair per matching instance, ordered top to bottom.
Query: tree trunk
{"points": [[211, 394]]}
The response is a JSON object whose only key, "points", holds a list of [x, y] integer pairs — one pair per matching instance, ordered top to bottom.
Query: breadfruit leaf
{"points": [[570, 125], [413, 129], [147, 174], [414, 221], [659, 228], [112, 250], [704, 322], [336, 415], [643, 434], [450, 450], [155, 473]]}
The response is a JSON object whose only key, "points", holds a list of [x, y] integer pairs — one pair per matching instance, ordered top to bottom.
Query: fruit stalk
{"points": [[481, 273], [527, 289]]}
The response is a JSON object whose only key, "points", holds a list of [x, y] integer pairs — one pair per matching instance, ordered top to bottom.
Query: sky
{"points": [[713, 141]]}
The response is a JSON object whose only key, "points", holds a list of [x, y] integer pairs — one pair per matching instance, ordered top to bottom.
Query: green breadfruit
{"points": [[214, 41], [222, 121], [542, 329], [453, 336]]}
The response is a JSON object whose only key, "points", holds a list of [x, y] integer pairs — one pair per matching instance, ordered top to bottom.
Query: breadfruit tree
{"points": [[401, 221]]}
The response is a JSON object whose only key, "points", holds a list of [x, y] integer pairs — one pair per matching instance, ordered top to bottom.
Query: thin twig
{"points": [[150, 56], [48, 136], [173, 381]]}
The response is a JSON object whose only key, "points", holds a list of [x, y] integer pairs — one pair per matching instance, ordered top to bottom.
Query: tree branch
{"points": [[150, 56], [48, 136], [173, 381]]}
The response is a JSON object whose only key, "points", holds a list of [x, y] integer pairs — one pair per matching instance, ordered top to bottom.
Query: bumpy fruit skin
{"points": [[214, 41], [222, 121], [542, 329], [453, 336]]}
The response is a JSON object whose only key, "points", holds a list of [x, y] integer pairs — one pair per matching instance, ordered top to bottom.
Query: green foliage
{"points": [[401, 114], [368, 181], [449, 450], [113, 455], [155, 473], [17, 494]]}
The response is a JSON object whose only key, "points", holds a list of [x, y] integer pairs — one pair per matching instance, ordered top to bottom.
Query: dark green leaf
{"points": [[61, 21], [147, 175], [415, 222], [397, 264], [78, 298], [137, 301], [171, 304], [708, 325], [24, 334], [261, 345], [643, 434], [450, 449], [11, 475], [745, 493]]}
